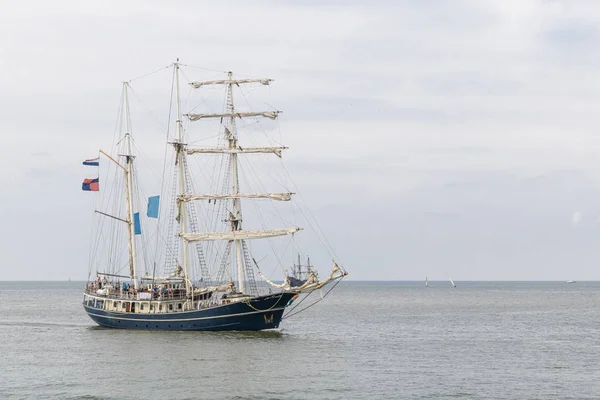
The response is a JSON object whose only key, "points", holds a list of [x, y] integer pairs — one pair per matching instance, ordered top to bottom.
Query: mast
{"points": [[179, 149], [128, 190], [236, 217], [236, 234]]}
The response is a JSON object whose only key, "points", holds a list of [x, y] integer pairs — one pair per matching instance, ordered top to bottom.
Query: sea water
{"points": [[366, 340]]}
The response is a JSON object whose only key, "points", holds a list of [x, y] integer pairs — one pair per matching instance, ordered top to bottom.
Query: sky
{"points": [[429, 137]]}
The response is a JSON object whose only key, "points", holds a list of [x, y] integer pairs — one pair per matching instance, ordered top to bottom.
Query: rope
{"points": [[205, 69], [150, 73], [150, 113], [162, 183], [307, 214], [273, 306], [288, 315]]}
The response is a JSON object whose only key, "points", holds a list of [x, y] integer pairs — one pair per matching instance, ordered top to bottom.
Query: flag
{"points": [[94, 162], [91, 185], [153, 203], [137, 228]]}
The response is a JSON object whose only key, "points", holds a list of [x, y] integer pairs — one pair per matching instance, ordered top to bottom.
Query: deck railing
{"points": [[119, 294]]}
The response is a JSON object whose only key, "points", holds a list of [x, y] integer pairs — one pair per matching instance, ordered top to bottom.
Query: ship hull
{"points": [[295, 282], [264, 312]]}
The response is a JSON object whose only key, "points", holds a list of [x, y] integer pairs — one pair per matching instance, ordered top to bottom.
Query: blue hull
{"points": [[260, 313]]}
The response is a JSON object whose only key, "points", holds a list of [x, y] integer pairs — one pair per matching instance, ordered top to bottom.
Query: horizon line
{"points": [[369, 280]]}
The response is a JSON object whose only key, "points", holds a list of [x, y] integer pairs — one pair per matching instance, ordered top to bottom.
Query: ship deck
{"points": [[245, 313]]}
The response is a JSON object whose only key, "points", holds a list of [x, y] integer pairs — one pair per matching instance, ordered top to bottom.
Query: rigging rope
{"points": [[206, 69], [150, 73], [162, 181], [267, 309], [291, 313]]}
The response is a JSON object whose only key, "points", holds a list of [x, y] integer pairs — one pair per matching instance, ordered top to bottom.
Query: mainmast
{"points": [[179, 149], [129, 189]]}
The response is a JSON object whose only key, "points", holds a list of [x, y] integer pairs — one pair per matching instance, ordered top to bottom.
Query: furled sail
{"points": [[196, 85], [266, 114], [274, 150], [272, 196], [238, 235], [336, 273], [312, 283], [284, 285]]}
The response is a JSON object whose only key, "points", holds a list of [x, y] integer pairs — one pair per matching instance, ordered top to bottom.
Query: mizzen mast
{"points": [[129, 189]]}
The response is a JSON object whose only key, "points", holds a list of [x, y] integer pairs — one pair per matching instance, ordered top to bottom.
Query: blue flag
{"points": [[153, 203], [137, 228]]}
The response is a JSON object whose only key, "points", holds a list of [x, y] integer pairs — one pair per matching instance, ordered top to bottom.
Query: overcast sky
{"points": [[430, 138]]}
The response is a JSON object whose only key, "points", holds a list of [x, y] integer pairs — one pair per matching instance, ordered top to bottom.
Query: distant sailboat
{"points": [[299, 275], [452, 282], [426, 284]]}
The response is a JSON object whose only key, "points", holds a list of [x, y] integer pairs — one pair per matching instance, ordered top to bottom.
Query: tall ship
{"points": [[172, 250], [300, 273]]}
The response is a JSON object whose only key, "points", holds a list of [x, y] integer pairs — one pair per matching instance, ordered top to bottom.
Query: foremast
{"points": [[129, 157], [235, 218], [236, 234]]}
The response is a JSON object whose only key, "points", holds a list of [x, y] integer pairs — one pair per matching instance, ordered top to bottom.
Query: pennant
{"points": [[93, 162], [91, 185], [153, 203], [137, 228]]}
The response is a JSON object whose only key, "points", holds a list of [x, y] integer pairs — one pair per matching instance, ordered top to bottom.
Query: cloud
{"points": [[467, 127], [40, 154], [576, 218]]}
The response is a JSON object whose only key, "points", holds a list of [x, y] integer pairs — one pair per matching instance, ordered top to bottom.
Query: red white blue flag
{"points": [[94, 162], [91, 185]]}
